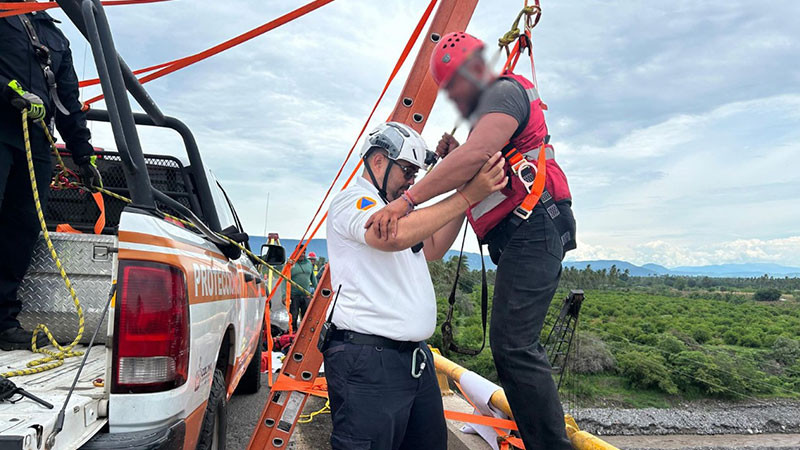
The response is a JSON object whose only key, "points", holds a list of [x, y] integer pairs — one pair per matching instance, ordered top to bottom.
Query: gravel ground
{"points": [[703, 418], [628, 429], [707, 442]]}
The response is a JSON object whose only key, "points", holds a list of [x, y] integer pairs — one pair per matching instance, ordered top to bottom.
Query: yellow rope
{"points": [[511, 35], [182, 221], [54, 359], [307, 418]]}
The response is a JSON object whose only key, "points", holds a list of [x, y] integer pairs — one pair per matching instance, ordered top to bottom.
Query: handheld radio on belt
{"points": [[43, 58], [328, 327]]}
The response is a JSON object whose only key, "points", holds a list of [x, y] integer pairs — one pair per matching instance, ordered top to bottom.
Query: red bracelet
{"points": [[410, 199], [410, 203], [469, 205]]}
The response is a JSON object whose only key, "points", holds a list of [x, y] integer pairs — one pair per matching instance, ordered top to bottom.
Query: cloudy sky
{"points": [[677, 123]]}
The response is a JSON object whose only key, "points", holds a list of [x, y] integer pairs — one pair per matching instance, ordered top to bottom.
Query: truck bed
{"points": [[25, 424]]}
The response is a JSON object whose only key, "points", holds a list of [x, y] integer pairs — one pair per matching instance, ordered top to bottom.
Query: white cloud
{"points": [[677, 123], [782, 251]]}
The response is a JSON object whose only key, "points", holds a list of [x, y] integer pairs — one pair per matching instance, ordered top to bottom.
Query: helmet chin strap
{"points": [[382, 188]]}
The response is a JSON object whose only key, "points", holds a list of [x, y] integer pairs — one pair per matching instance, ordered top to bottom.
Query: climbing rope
{"points": [[528, 11], [169, 216], [53, 359], [307, 418]]}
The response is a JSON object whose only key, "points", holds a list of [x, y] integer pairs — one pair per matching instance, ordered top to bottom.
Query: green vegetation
{"points": [[658, 340]]}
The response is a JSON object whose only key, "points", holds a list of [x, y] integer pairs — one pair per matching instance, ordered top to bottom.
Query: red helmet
{"points": [[452, 50], [312, 255]]}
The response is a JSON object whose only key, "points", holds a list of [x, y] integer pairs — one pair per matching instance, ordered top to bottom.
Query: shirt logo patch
{"points": [[365, 203]]}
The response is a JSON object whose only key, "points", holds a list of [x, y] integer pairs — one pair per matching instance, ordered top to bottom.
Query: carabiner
{"points": [[417, 351]]}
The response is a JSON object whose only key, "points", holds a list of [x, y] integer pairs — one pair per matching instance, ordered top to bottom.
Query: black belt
{"points": [[353, 337]]}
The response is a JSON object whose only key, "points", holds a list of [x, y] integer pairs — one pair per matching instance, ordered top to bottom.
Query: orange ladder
{"points": [[301, 366]]}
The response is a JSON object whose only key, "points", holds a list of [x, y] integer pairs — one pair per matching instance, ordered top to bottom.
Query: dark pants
{"points": [[19, 224], [527, 277], [298, 306], [377, 405]]}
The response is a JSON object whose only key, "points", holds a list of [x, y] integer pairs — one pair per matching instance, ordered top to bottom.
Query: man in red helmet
{"points": [[526, 238]]}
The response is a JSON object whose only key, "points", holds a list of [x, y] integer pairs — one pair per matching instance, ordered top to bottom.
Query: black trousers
{"points": [[19, 224], [528, 270], [298, 307], [377, 405]]}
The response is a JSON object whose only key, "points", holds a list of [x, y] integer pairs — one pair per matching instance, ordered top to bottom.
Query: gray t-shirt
{"points": [[503, 96]]}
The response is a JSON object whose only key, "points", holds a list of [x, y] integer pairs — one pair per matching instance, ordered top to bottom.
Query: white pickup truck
{"points": [[179, 312]]}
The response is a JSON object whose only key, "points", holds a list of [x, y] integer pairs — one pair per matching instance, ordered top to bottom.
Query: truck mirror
{"points": [[274, 255]]}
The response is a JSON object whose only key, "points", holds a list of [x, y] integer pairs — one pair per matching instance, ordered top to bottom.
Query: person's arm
{"points": [[72, 127], [490, 135], [421, 224], [437, 245], [314, 280]]}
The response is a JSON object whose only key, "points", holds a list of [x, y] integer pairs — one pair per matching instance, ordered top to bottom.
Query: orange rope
{"points": [[15, 9], [403, 56], [400, 61], [172, 66]]}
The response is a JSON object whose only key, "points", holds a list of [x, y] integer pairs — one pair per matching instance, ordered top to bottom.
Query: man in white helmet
{"points": [[381, 381]]}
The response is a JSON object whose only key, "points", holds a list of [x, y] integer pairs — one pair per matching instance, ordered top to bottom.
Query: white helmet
{"points": [[400, 141]]}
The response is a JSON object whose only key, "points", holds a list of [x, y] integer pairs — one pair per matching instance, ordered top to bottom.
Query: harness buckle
{"points": [[526, 172], [522, 213]]}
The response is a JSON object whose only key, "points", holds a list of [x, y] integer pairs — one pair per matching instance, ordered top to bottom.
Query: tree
{"points": [[767, 295]]}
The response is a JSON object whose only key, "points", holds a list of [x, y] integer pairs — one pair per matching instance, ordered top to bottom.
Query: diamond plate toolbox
{"points": [[89, 262]]}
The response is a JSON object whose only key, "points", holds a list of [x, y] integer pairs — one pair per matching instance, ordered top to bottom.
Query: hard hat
{"points": [[452, 50], [400, 141], [312, 255]]}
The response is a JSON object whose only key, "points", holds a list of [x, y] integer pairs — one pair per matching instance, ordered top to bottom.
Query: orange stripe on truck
{"points": [[149, 239], [193, 424]]}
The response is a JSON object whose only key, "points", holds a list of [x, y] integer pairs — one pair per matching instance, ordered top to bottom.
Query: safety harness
{"points": [[43, 58], [532, 177]]}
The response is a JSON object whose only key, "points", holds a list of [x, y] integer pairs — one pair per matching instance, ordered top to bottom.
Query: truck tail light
{"points": [[151, 334]]}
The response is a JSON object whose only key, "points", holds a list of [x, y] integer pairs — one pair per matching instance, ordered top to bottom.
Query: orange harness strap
{"points": [[524, 41], [534, 184], [101, 205], [66, 228], [318, 387], [498, 425]]}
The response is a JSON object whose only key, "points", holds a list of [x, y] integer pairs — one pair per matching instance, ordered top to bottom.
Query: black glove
{"points": [[90, 176]]}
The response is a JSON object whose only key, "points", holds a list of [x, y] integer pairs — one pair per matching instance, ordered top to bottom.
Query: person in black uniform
{"points": [[36, 74]]}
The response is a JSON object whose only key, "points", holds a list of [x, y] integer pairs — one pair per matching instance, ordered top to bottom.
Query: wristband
{"points": [[408, 200], [469, 204]]}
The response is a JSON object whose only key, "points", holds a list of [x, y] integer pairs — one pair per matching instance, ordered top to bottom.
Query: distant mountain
{"points": [[320, 247], [473, 259], [655, 268], [739, 270], [747, 270], [636, 271]]}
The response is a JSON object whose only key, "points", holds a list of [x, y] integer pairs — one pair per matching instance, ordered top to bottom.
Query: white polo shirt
{"points": [[387, 294]]}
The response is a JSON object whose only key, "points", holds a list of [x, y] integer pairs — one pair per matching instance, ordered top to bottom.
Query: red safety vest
{"points": [[485, 215]]}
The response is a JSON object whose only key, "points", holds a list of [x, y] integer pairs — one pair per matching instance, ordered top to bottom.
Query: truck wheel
{"points": [[250, 383], [215, 421]]}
